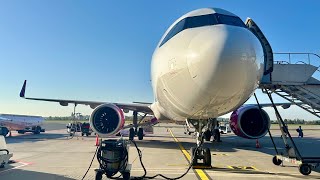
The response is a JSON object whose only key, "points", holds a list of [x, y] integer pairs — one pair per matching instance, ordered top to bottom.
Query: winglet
{"points": [[23, 89]]}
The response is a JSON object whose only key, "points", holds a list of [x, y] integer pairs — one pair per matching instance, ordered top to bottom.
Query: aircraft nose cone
{"points": [[225, 58]]}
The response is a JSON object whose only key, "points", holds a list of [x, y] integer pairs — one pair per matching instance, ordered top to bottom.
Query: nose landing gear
{"points": [[200, 156]]}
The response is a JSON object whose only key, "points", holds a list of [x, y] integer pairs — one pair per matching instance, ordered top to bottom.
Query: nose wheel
{"points": [[200, 157]]}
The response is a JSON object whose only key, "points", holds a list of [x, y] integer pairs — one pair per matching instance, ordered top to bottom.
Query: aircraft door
{"points": [[267, 50]]}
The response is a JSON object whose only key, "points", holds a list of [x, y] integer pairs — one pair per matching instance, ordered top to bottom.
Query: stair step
{"points": [[294, 89], [311, 98]]}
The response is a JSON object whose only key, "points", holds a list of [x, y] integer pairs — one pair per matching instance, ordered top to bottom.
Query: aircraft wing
{"points": [[135, 106], [3, 119], [152, 122]]}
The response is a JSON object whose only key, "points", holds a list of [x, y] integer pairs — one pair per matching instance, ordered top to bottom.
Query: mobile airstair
{"points": [[294, 78]]}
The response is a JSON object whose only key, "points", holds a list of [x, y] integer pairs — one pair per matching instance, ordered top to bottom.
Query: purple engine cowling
{"points": [[247, 122]]}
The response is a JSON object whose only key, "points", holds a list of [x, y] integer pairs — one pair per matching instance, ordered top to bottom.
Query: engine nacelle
{"points": [[106, 120], [247, 122]]}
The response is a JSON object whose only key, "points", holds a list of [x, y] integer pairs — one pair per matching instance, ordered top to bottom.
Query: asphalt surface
{"points": [[54, 125], [55, 155]]}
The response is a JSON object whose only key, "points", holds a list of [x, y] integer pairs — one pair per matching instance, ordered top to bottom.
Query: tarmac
{"points": [[54, 155]]}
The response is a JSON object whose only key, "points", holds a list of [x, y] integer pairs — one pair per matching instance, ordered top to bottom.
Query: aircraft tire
{"points": [[37, 130], [5, 131], [21, 132], [131, 134], [140, 134], [194, 156], [207, 157]]}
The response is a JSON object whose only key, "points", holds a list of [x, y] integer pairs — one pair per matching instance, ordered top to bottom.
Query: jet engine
{"points": [[107, 119], [247, 122]]}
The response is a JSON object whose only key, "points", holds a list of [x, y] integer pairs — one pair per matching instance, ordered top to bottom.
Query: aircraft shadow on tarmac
{"points": [[34, 138], [231, 143], [161, 144], [307, 146], [249, 172], [9, 173]]}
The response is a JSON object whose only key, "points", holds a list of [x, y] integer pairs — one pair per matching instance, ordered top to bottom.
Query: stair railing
{"points": [[298, 53]]}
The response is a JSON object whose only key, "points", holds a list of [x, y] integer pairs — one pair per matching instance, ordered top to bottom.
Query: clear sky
{"points": [[101, 50]]}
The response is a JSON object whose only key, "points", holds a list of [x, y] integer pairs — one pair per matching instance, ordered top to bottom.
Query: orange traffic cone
{"points": [[97, 140], [257, 144]]}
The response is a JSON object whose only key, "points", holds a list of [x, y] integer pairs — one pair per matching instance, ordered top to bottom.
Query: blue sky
{"points": [[101, 50]]}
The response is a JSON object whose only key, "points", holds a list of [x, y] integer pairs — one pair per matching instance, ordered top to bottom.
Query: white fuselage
{"points": [[205, 72], [19, 122]]}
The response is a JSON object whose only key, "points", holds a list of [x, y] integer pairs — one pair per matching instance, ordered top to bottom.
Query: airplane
{"points": [[208, 63], [20, 123]]}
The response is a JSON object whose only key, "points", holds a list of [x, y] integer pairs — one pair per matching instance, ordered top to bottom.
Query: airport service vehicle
{"points": [[208, 63], [21, 123], [73, 127], [85, 129], [224, 129]]}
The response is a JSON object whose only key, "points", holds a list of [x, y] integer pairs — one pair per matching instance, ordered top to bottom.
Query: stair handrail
{"points": [[301, 53], [281, 62], [307, 63]]}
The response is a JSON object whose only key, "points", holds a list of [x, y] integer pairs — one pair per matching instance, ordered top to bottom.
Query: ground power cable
{"points": [[90, 163], [161, 175], [144, 176]]}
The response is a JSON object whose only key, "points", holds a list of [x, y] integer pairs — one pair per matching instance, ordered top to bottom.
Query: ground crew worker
{"points": [[300, 131], [216, 133]]}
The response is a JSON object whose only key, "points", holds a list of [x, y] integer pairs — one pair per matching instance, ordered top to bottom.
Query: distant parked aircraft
{"points": [[20, 123]]}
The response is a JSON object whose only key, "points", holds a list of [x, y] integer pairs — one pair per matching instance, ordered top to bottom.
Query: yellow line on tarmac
{"points": [[200, 172]]}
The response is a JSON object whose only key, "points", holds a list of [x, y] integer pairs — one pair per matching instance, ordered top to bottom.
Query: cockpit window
{"points": [[203, 20], [230, 20], [198, 21], [190, 22], [175, 30]]}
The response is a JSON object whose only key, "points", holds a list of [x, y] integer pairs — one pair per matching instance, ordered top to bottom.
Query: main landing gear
{"points": [[136, 131], [133, 132], [200, 156]]}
